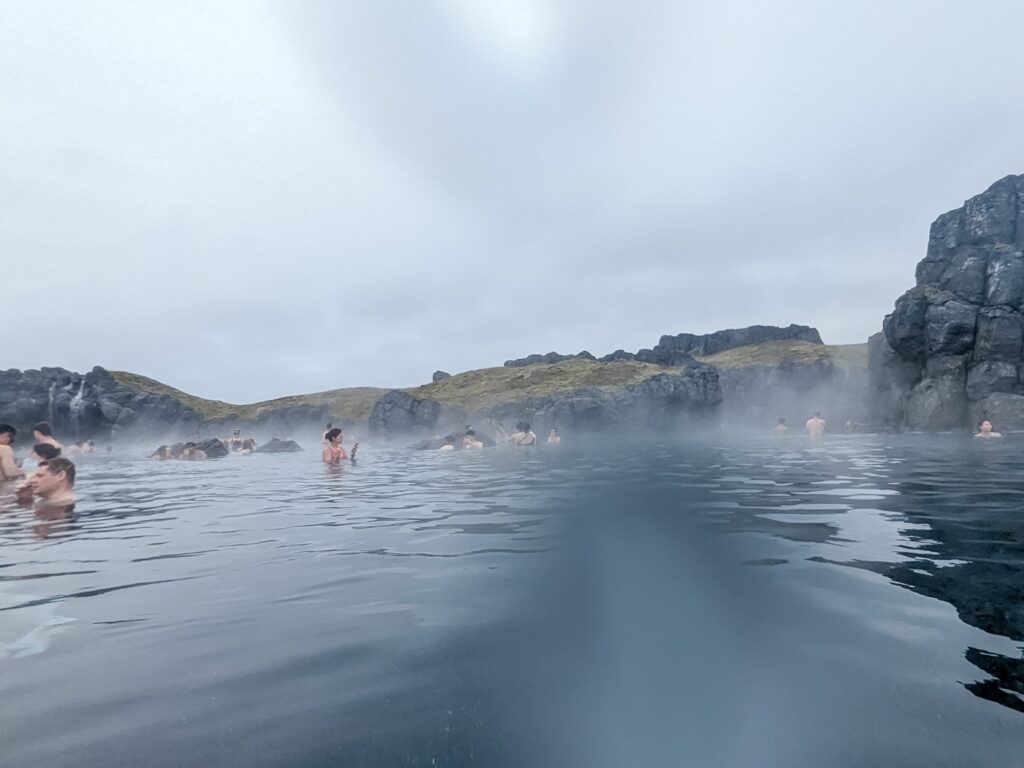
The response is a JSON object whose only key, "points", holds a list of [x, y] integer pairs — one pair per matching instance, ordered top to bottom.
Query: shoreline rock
{"points": [[952, 350]]}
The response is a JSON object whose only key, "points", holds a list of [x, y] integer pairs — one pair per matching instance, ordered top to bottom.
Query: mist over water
{"points": [[742, 603]]}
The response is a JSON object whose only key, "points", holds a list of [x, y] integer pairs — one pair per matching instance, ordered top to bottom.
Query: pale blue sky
{"points": [[247, 200]]}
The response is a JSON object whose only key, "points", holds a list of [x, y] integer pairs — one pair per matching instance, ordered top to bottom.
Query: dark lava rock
{"points": [[952, 348], [678, 350], [548, 359], [440, 376], [663, 402], [93, 405], [397, 413], [279, 446], [213, 447]]}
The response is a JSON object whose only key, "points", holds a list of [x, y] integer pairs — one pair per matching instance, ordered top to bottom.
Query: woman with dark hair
{"points": [[43, 433], [44, 452], [333, 452]]}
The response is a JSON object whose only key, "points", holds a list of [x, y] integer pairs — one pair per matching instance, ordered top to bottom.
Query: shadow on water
{"points": [[968, 504]]}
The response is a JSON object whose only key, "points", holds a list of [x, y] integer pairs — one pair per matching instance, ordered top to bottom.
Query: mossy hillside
{"points": [[772, 353], [487, 387], [347, 404]]}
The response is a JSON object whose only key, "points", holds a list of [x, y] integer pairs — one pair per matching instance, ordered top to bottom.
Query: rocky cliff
{"points": [[677, 350], [951, 352], [576, 394], [92, 405], [104, 405]]}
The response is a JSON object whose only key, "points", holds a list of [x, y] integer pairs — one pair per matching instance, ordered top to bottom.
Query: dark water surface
{"points": [[760, 603]]}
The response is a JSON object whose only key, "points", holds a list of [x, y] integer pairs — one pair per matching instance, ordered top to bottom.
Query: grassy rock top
{"points": [[777, 352], [487, 387], [475, 390], [350, 403]]}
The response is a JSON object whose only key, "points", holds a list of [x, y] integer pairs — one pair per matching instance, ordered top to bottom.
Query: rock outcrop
{"points": [[677, 350], [951, 351], [549, 358], [440, 376], [755, 396], [661, 402], [93, 405], [397, 413], [274, 445]]}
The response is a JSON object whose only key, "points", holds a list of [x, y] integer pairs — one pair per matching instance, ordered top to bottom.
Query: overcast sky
{"points": [[248, 200]]}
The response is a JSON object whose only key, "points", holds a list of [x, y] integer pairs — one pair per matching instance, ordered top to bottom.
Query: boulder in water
{"points": [[274, 445], [213, 448]]}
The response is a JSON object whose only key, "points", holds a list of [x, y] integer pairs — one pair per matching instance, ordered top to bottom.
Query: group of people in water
{"points": [[816, 427], [522, 436], [191, 452], [53, 481]]}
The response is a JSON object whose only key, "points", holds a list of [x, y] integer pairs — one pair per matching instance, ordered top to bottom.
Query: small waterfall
{"points": [[49, 406], [77, 406]]}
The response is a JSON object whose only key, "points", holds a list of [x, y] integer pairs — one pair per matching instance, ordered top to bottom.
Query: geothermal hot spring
{"points": [[855, 602]]}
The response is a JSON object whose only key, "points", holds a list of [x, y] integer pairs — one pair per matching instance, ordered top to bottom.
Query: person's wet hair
{"points": [[330, 425], [526, 426], [43, 428], [7, 429], [332, 433], [470, 433], [189, 445], [163, 450], [45, 451], [58, 465]]}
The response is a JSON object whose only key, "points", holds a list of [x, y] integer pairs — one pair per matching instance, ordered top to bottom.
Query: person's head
{"points": [[817, 414], [782, 422], [329, 426], [525, 426], [985, 427], [41, 430], [237, 432], [553, 432], [7, 433], [470, 433], [333, 435], [450, 440], [79, 443], [248, 444], [189, 447], [45, 451], [163, 452], [54, 476]]}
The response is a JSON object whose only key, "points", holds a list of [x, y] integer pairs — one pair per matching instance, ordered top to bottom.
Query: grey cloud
{"points": [[252, 200]]}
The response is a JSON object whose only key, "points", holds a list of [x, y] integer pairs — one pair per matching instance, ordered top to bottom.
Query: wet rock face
{"points": [[679, 349], [952, 351], [665, 401], [93, 405], [398, 413]]}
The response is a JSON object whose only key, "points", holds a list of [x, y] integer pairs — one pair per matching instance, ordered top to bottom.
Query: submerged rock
{"points": [[951, 350], [275, 445]]}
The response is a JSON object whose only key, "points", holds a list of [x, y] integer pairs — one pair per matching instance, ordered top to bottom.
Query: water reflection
{"points": [[522, 608]]}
